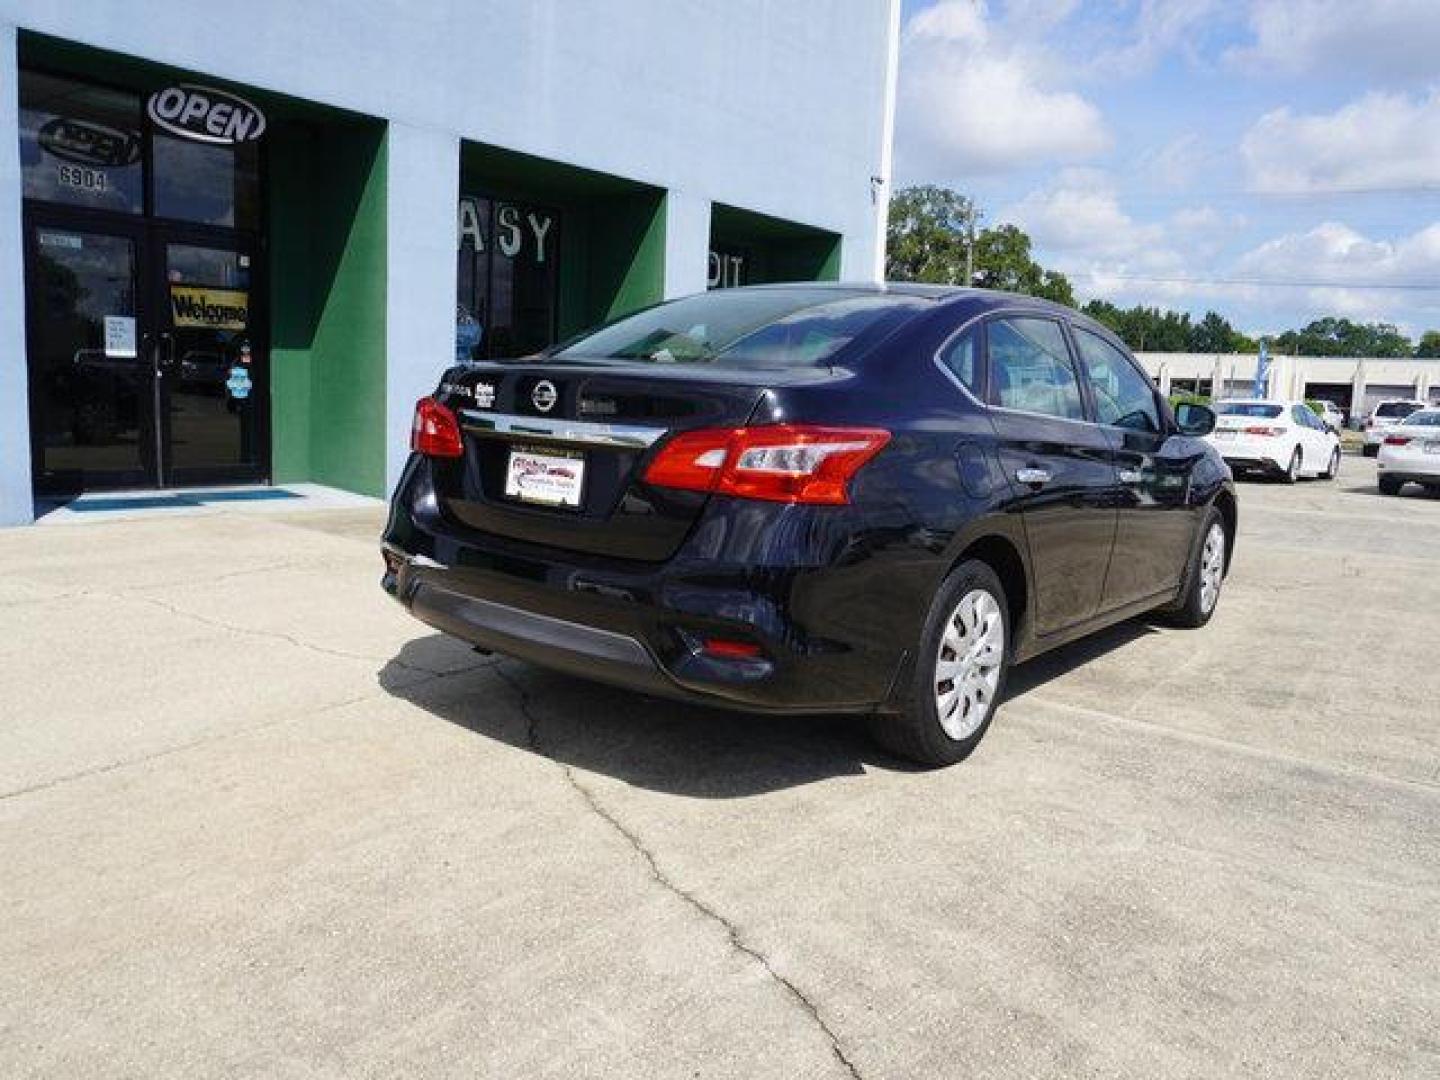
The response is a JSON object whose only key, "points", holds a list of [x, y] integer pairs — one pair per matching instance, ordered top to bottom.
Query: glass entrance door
{"points": [[146, 369], [212, 377], [92, 387]]}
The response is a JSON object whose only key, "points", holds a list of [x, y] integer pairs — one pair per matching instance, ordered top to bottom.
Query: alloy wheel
{"points": [[1212, 567], [968, 664]]}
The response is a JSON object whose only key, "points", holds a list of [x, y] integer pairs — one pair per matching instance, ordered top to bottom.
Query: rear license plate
{"points": [[546, 477]]}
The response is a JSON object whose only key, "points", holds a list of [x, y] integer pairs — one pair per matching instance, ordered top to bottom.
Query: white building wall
{"points": [[776, 106], [422, 189], [15, 502]]}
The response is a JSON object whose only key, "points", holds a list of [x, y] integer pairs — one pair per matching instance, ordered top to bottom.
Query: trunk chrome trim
{"points": [[576, 432]]}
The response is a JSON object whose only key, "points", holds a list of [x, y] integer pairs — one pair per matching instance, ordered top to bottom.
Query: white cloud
{"points": [[1160, 27], [1390, 40], [970, 102], [1378, 141], [1080, 216]]}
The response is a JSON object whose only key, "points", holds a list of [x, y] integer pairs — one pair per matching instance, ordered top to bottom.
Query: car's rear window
{"points": [[764, 328], [1260, 409], [1393, 409], [1429, 418]]}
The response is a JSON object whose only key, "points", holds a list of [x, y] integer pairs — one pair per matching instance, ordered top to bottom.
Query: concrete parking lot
{"points": [[254, 821]]}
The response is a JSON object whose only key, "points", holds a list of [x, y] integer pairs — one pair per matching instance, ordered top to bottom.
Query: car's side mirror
{"points": [[1193, 419]]}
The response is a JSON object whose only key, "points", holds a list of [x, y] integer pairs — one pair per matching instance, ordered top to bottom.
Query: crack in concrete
{"points": [[275, 635], [658, 875]]}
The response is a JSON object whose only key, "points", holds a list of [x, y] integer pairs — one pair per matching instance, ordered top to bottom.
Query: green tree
{"points": [[926, 237], [927, 240], [1003, 261], [1429, 344]]}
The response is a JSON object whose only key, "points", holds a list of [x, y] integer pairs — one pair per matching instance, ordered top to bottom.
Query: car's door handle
{"points": [[1032, 475], [1131, 476]]}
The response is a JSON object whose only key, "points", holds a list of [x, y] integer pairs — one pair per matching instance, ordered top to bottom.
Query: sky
{"points": [[1274, 160]]}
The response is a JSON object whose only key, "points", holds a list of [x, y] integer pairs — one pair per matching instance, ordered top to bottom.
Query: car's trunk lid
{"points": [[554, 453]]}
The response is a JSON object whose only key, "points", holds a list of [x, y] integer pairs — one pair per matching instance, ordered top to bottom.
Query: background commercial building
{"points": [[236, 243], [1354, 383]]}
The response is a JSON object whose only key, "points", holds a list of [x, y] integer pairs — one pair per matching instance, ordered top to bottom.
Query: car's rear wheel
{"points": [[1370, 451], [1333, 470], [1292, 471], [1390, 485], [1206, 576], [959, 672]]}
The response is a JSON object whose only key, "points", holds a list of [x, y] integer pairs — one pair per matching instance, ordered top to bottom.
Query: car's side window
{"points": [[961, 356], [1031, 368], [1123, 396], [1301, 413]]}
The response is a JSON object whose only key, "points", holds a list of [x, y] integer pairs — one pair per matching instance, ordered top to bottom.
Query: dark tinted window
{"points": [[80, 144], [213, 185], [507, 278], [735, 327], [962, 357], [1031, 368], [1123, 396], [1259, 409], [1393, 409]]}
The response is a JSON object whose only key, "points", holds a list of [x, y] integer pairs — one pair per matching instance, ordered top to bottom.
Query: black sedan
{"points": [[812, 498]]}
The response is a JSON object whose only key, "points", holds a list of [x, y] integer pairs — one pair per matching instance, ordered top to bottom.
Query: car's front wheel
{"points": [[1206, 576], [959, 672]]}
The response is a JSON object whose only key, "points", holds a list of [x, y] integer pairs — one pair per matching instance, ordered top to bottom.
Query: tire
{"points": [[1369, 451], [1333, 470], [1292, 473], [1389, 485], [1205, 576], [918, 732]]}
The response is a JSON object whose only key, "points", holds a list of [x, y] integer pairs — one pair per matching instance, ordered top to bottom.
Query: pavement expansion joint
{"points": [[658, 875]]}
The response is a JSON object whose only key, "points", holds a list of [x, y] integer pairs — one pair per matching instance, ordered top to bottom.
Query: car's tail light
{"points": [[435, 432], [1267, 432], [1396, 440], [795, 463], [730, 648]]}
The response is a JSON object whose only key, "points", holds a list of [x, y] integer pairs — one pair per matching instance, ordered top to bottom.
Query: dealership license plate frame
{"points": [[560, 492]]}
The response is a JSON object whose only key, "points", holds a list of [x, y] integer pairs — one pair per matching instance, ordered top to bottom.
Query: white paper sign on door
{"points": [[119, 337]]}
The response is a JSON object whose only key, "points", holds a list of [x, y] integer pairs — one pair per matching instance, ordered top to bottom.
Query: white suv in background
{"points": [[1384, 415], [1280, 438], [1410, 453]]}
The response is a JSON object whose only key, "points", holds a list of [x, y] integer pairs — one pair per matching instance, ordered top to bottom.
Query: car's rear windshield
{"points": [[763, 328], [1397, 408], [1260, 409], [1429, 418]]}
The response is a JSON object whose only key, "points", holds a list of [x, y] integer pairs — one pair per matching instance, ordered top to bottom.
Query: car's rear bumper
{"points": [[1250, 461], [1408, 465], [642, 625]]}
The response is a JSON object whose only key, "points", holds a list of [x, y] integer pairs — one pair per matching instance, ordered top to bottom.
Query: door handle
{"points": [[1032, 474], [1131, 476]]}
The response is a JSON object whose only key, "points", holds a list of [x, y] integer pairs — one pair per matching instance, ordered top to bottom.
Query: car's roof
{"points": [[1254, 401], [1400, 401]]}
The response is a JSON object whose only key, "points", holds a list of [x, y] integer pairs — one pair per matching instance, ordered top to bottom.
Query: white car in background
{"points": [[1384, 416], [1334, 417], [1279, 438], [1410, 453]]}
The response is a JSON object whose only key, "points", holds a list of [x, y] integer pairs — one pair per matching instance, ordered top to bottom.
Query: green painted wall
{"points": [[612, 231], [777, 250], [327, 289]]}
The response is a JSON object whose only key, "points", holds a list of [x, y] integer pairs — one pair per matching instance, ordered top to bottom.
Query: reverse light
{"points": [[435, 431], [793, 463]]}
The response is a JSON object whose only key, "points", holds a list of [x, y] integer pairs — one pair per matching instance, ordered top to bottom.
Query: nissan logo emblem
{"points": [[544, 395]]}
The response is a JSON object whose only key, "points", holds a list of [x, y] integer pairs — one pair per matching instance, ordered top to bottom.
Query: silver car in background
{"points": [[1385, 415], [1410, 453]]}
